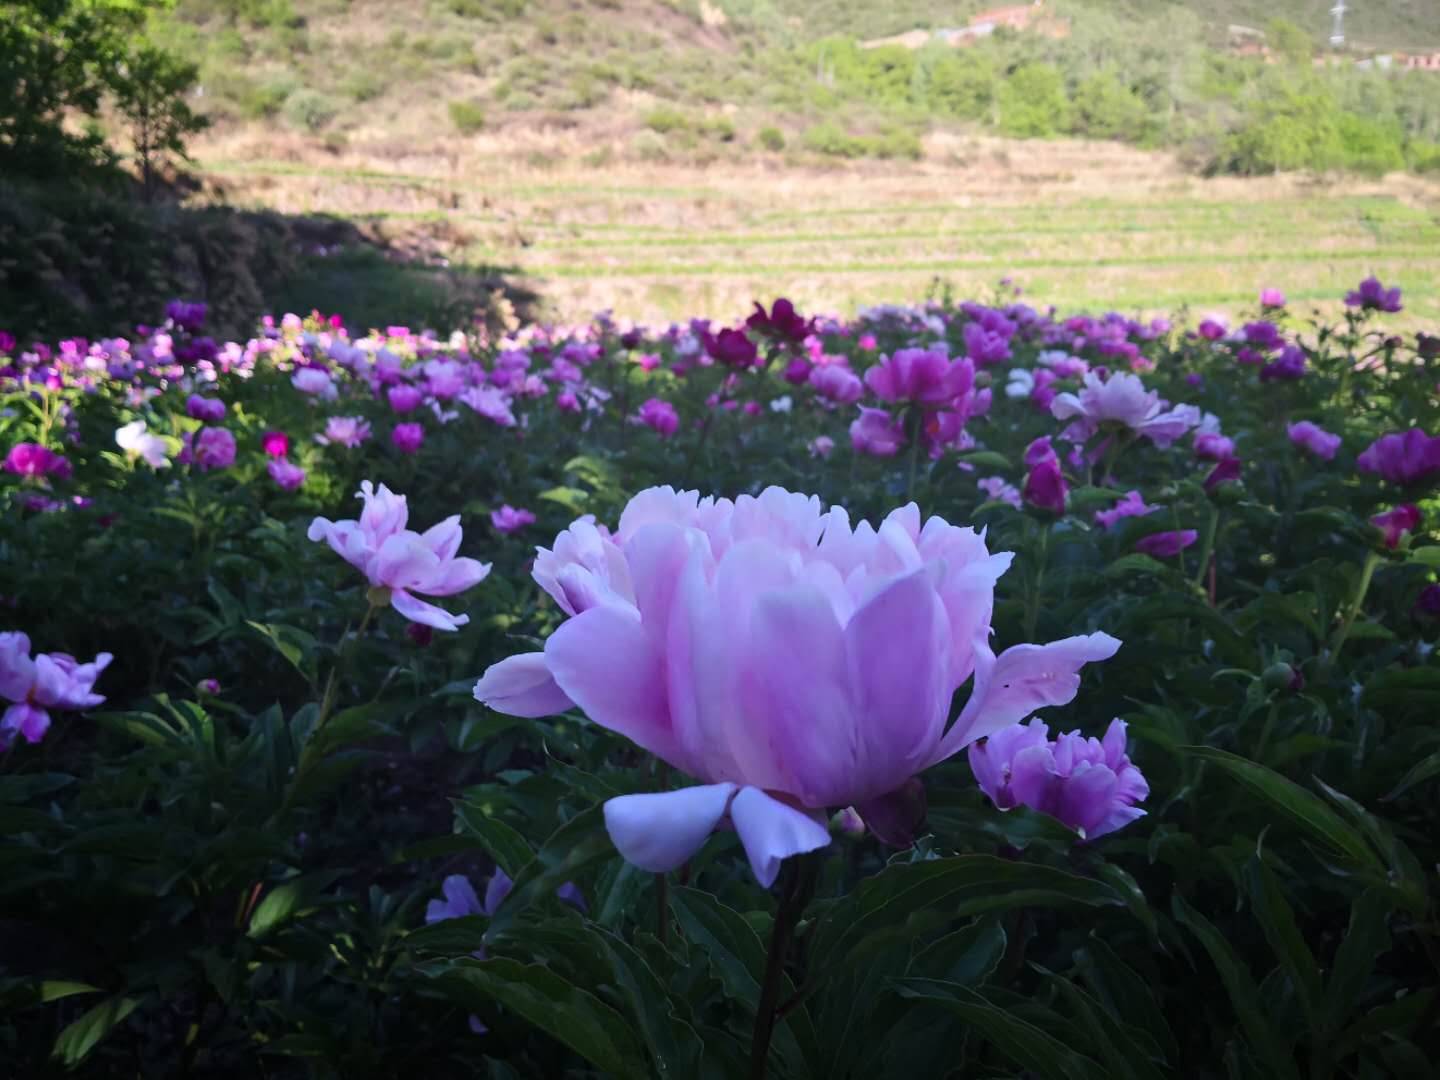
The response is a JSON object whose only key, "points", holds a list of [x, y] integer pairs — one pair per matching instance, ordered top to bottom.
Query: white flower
{"points": [[1021, 384], [781, 404], [133, 438]]}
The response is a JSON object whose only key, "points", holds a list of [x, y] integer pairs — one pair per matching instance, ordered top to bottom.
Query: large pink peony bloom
{"points": [[922, 376], [1122, 400], [1315, 439], [1402, 457], [402, 562], [789, 661], [34, 686]]}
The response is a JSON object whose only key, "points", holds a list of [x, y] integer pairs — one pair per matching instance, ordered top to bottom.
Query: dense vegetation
{"points": [[269, 831]]}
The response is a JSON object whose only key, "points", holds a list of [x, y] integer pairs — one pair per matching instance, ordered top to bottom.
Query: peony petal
{"points": [[444, 538], [403, 562], [453, 577], [417, 610], [605, 662], [522, 685], [772, 831], [659, 832]]}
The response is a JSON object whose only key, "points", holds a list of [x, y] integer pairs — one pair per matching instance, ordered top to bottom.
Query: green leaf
{"points": [[987, 459], [573, 499], [1426, 556], [1138, 564], [294, 644], [358, 724], [1425, 769], [22, 788], [1304, 809], [505, 845], [571, 849], [284, 902], [1277, 919], [450, 937], [725, 939], [1366, 940], [56, 989], [1244, 994], [1127, 996], [573, 1016], [1022, 1042], [73, 1045], [674, 1046], [1126, 1051]]}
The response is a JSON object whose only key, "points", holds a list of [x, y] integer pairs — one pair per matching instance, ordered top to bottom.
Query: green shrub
{"points": [[362, 84], [961, 85], [1032, 102], [1106, 108], [310, 109], [467, 116], [665, 119], [828, 137], [771, 139], [895, 143], [650, 145]]}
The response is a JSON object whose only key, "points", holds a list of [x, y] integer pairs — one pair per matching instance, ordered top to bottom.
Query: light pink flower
{"points": [[921, 376], [315, 383], [837, 383], [404, 398], [1122, 401], [491, 403], [660, 416], [347, 431], [876, 433], [1314, 439], [821, 446], [210, 448], [288, 476], [999, 490], [1132, 505], [509, 520], [1394, 524], [1166, 545], [398, 562], [790, 661], [35, 686]]}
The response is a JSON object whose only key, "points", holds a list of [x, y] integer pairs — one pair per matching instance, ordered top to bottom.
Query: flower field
{"points": [[962, 689]]}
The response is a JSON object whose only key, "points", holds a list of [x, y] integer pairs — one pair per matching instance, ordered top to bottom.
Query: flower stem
{"points": [[913, 423], [1207, 546], [1357, 601], [797, 885]]}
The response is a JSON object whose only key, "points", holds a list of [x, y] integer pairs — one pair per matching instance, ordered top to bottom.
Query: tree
{"points": [[1288, 41], [150, 88], [1032, 101]]}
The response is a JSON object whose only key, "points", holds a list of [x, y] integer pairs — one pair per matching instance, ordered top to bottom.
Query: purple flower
{"points": [[1373, 296], [1272, 298], [185, 315], [783, 322], [1212, 329], [1264, 336], [985, 346], [732, 348], [1290, 365], [926, 377], [315, 382], [837, 383], [404, 398], [1122, 401], [210, 410], [660, 416], [347, 431], [876, 433], [407, 437], [1314, 439], [1212, 446], [210, 448], [1402, 457], [34, 461], [1227, 470], [285, 474], [1045, 486], [999, 490], [1132, 505], [509, 520], [1394, 524], [1166, 545], [1428, 602], [35, 686], [1089, 785]]}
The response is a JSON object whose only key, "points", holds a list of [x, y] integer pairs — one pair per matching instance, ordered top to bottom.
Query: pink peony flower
{"points": [[1373, 296], [1272, 298], [925, 377], [315, 382], [837, 383], [404, 398], [1121, 401], [491, 403], [209, 410], [660, 416], [347, 431], [876, 433], [407, 437], [1314, 439], [275, 443], [821, 446], [1212, 446], [209, 448], [1402, 457], [34, 461], [1226, 470], [287, 476], [1045, 486], [999, 491], [1132, 505], [509, 520], [1394, 524], [1166, 545], [398, 562], [791, 662], [35, 686], [1089, 785]]}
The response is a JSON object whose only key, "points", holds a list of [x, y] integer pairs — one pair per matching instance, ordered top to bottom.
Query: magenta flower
{"points": [[1373, 296], [1272, 299], [783, 322], [1211, 329], [1263, 336], [985, 346], [732, 348], [1289, 366], [926, 377], [837, 383], [404, 398], [1121, 402], [209, 410], [660, 416], [347, 431], [876, 433], [407, 437], [1314, 439], [275, 443], [1212, 446], [209, 448], [1402, 457], [34, 461], [1226, 470], [287, 476], [1045, 486], [999, 491], [1132, 505], [509, 520], [1394, 524], [1166, 545], [398, 562], [1428, 602], [792, 663], [35, 686], [1089, 785]]}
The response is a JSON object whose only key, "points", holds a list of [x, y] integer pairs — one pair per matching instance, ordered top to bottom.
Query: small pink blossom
{"points": [[926, 377], [404, 398], [210, 410], [660, 416], [347, 431], [876, 433], [407, 437], [1314, 439], [275, 443], [821, 446], [210, 448], [287, 475], [999, 490], [509, 520], [1394, 524], [1166, 545], [36, 685]]}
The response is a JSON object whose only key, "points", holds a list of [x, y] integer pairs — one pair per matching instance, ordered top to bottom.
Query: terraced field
{"points": [[1111, 231]]}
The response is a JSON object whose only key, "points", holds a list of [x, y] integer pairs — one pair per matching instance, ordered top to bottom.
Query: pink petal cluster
{"points": [[925, 377], [316, 383], [837, 383], [404, 398], [1122, 401], [209, 410], [660, 416], [347, 431], [876, 433], [407, 438], [1314, 439], [275, 443], [209, 448], [1402, 457], [34, 461], [286, 474], [1045, 485], [999, 490], [1131, 505], [509, 520], [1394, 524], [1166, 545], [399, 562], [790, 661], [35, 685], [1089, 785]]}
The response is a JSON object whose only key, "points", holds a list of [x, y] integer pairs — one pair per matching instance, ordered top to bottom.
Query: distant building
{"points": [[1018, 17], [1418, 62]]}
